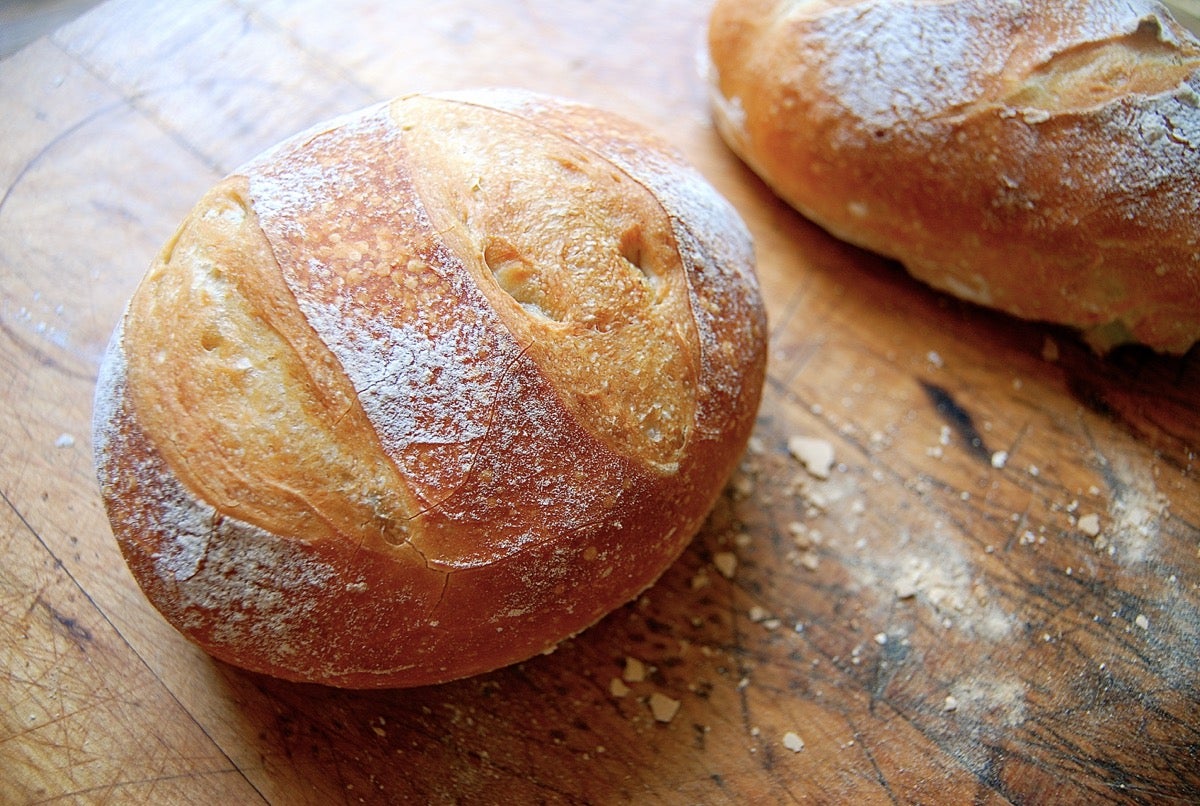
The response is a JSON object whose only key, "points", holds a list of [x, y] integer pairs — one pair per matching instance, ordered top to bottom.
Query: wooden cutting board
{"points": [[992, 597]]}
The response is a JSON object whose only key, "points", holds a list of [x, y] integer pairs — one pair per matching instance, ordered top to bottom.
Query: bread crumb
{"points": [[1050, 350], [934, 359], [64, 440], [816, 455], [999, 459], [742, 486], [1090, 525], [800, 536], [726, 563], [700, 580], [906, 588], [1142, 621], [635, 670], [617, 688], [950, 703], [663, 707], [793, 742]]}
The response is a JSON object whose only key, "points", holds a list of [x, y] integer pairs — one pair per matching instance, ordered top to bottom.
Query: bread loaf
{"points": [[1040, 157], [421, 392]]}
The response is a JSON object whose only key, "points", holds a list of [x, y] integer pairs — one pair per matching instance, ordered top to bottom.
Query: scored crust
{"points": [[1041, 158], [427, 389]]}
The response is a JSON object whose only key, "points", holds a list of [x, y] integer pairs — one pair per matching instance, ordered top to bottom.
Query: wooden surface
{"points": [[934, 624]]}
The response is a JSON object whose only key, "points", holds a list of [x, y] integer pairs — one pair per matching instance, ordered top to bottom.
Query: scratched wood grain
{"points": [[993, 596]]}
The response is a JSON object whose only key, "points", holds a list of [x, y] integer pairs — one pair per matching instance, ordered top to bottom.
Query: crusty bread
{"points": [[1038, 157], [421, 392]]}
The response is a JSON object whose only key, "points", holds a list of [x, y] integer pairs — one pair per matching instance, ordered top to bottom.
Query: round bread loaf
{"points": [[1042, 158], [424, 391]]}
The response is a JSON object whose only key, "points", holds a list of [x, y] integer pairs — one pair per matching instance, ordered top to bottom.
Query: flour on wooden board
{"points": [[1136, 512]]}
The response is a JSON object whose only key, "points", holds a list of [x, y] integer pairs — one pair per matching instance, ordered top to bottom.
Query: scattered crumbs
{"points": [[1049, 350], [934, 359], [64, 440], [816, 455], [1034, 471], [742, 486], [817, 503], [1090, 525], [742, 539], [810, 561], [726, 563], [700, 580], [906, 588], [758, 614], [1142, 621], [772, 623], [881, 638], [635, 670], [743, 683], [617, 688], [950, 703], [663, 707], [793, 742]]}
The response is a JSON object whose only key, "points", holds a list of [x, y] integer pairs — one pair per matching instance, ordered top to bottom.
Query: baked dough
{"points": [[1042, 158], [425, 390]]}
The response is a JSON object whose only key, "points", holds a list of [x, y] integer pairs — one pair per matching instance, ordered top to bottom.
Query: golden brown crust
{"points": [[1041, 158], [421, 392]]}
